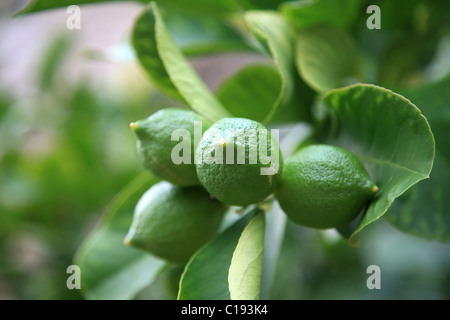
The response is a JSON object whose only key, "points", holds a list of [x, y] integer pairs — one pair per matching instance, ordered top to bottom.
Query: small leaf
{"points": [[262, 4], [40, 5], [216, 8], [306, 13], [199, 34], [277, 35], [146, 47], [327, 58], [52, 62], [167, 66], [251, 92], [389, 135], [276, 221], [109, 269], [245, 272], [206, 274]]}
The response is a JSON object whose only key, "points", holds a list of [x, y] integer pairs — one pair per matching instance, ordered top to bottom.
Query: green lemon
{"points": [[166, 144], [240, 162], [324, 187], [172, 222]]}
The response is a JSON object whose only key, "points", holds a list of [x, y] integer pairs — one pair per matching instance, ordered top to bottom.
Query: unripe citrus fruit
{"points": [[156, 147], [241, 163], [324, 187], [173, 222]]}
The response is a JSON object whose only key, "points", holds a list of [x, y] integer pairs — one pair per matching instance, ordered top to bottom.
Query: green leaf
{"points": [[261, 4], [40, 5], [206, 7], [216, 8], [306, 13], [199, 34], [277, 35], [146, 48], [327, 58], [52, 61], [166, 65], [256, 87], [434, 100], [389, 135], [424, 210], [276, 221], [109, 269], [245, 272], [206, 274]]}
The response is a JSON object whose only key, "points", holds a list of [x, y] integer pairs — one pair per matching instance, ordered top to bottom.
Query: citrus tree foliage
{"points": [[354, 87]]}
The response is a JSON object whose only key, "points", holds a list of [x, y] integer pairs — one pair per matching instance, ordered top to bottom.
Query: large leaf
{"points": [[306, 13], [277, 35], [327, 58], [168, 67], [434, 101], [389, 135], [425, 210], [109, 269], [245, 271], [206, 274]]}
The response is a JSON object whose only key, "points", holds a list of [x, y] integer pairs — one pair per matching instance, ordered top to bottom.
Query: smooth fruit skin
{"points": [[155, 145], [234, 183], [324, 187], [173, 222]]}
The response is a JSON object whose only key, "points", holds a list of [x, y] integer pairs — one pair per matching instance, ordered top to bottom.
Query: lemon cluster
{"points": [[234, 162]]}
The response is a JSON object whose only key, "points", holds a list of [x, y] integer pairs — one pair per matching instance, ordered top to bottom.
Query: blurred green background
{"points": [[66, 99]]}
